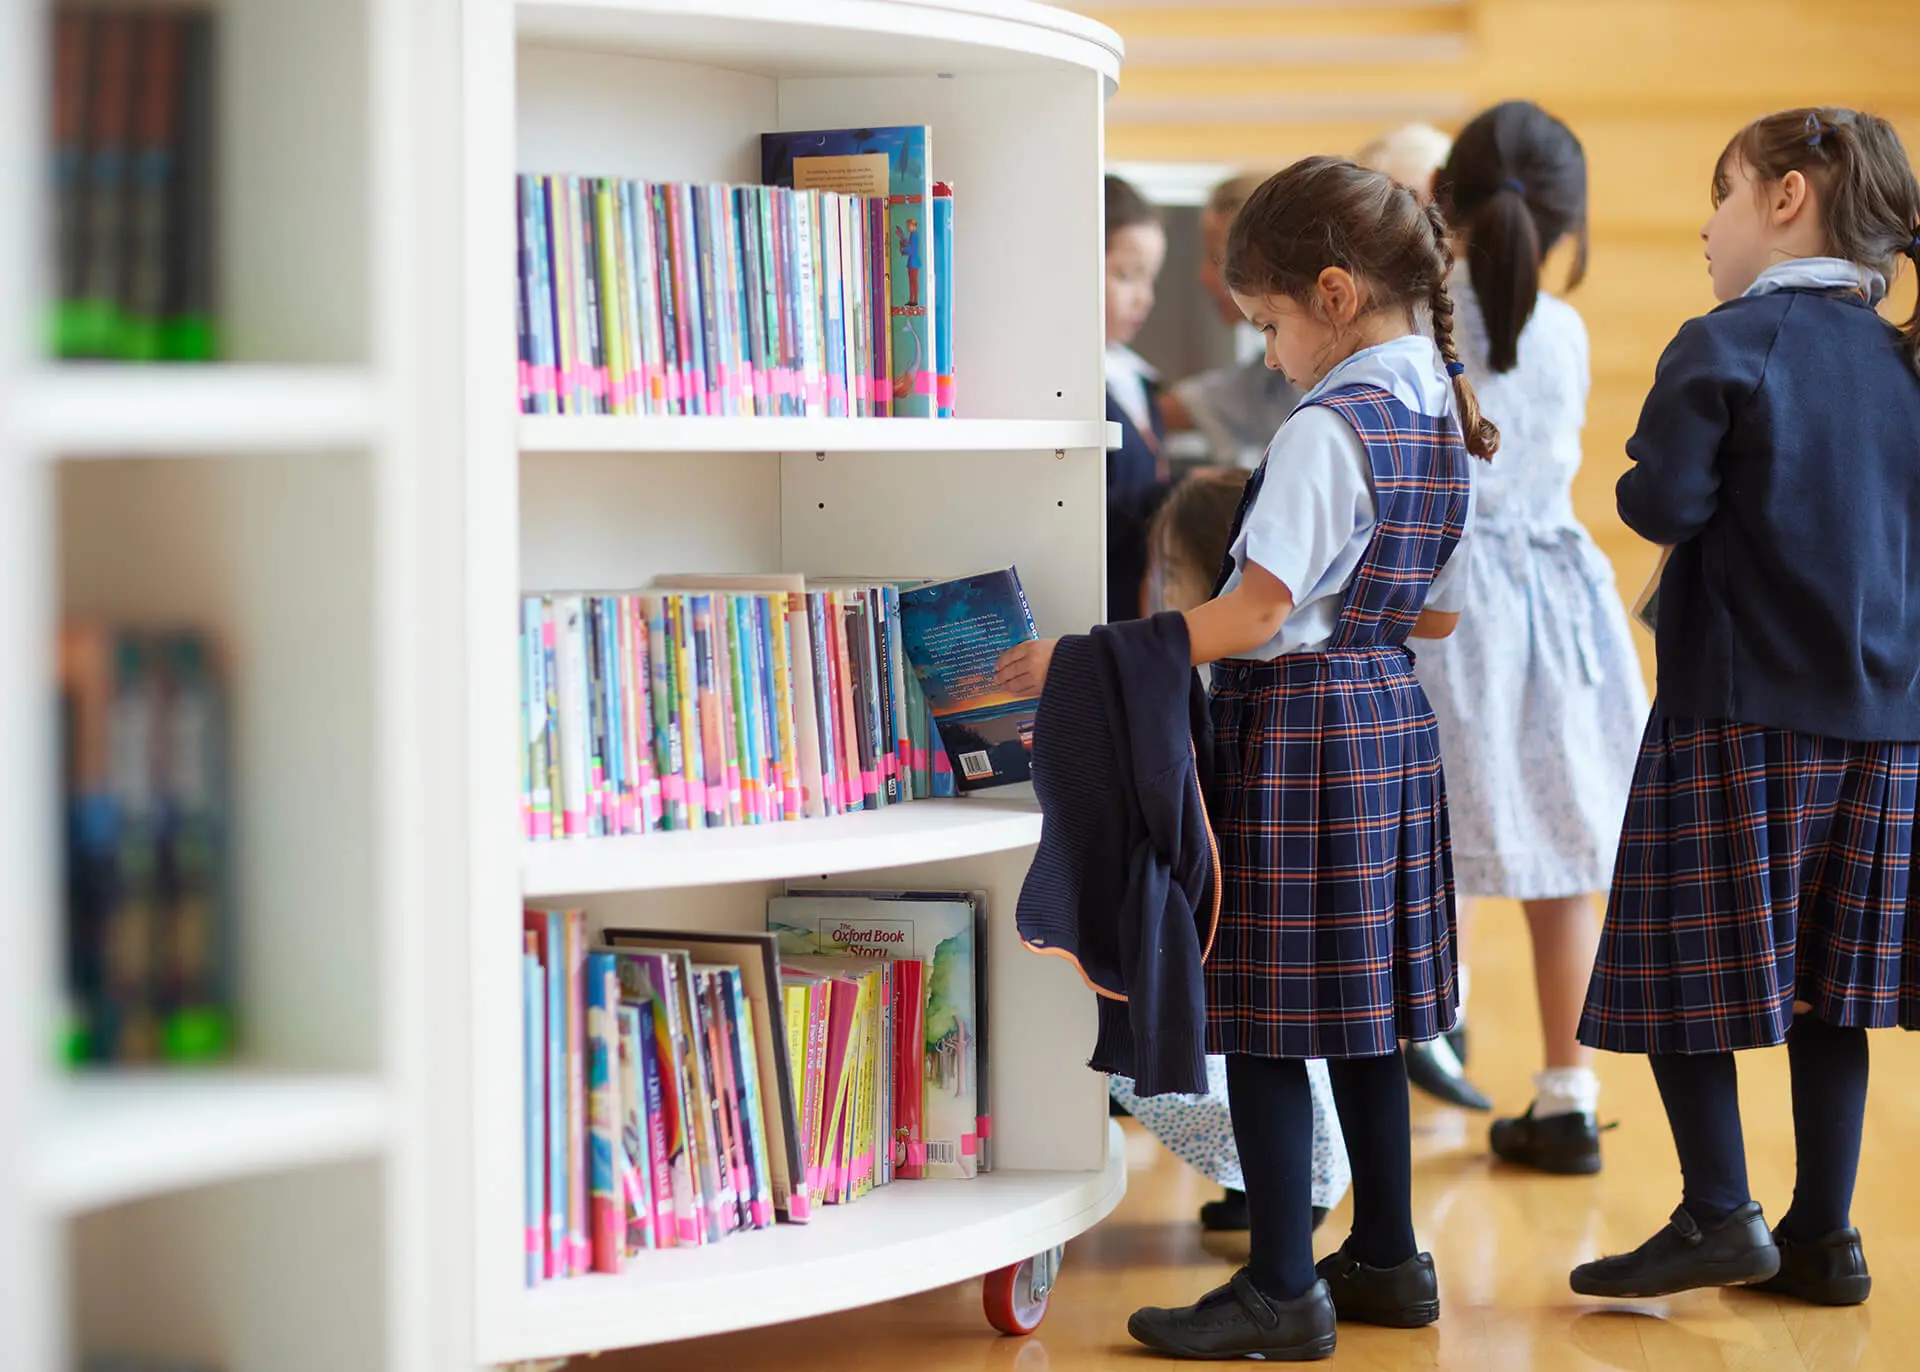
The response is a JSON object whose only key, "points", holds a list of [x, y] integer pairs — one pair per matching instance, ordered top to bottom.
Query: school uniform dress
{"points": [[1538, 692], [1768, 854], [1336, 930]]}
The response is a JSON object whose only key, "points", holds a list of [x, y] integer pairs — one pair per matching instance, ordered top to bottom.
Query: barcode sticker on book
{"points": [[975, 766], [943, 1150]]}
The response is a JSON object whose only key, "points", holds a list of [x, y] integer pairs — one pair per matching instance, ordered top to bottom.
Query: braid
{"points": [[1483, 439]]}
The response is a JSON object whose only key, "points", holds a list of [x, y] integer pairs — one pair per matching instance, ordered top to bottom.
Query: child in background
{"points": [[1239, 408], [1136, 470], [1186, 544], [1539, 694], [1765, 886], [1336, 925]]}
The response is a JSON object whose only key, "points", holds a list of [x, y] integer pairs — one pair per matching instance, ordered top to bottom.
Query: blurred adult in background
{"points": [[1410, 154], [1237, 409]]}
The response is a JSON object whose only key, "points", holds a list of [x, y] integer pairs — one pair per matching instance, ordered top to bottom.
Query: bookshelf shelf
{"points": [[845, 38], [81, 410], [629, 434], [901, 835], [110, 1137], [905, 1238]]}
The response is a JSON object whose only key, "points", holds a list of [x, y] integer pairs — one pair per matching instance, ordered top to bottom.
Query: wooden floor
{"points": [[1503, 1242]]}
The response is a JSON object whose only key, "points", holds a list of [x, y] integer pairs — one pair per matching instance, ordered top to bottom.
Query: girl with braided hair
{"points": [[1335, 936]]}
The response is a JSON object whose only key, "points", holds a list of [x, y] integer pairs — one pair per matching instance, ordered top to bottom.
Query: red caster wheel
{"points": [[1016, 1297]]}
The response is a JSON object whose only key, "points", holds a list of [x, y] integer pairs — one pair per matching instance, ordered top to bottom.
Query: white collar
{"points": [[1820, 274], [1407, 368]]}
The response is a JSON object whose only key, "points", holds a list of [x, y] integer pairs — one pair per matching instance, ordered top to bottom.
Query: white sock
{"points": [[1464, 979], [1565, 1091]]}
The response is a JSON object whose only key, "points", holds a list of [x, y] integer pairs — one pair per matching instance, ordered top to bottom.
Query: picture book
{"points": [[848, 161], [943, 297], [955, 633], [939, 933], [757, 960], [534, 1105], [607, 1219]]}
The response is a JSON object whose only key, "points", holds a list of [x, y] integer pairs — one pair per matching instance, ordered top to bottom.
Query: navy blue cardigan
{"points": [[1779, 452], [1126, 879]]}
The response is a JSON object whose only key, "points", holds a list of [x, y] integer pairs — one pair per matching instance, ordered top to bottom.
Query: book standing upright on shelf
{"points": [[851, 161], [943, 296], [955, 634]]}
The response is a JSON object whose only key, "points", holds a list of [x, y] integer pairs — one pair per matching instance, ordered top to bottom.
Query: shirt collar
{"points": [[1820, 274], [1407, 368]]}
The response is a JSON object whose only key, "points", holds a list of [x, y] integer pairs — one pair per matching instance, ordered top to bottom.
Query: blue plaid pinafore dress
{"points": [[1336, 924]]}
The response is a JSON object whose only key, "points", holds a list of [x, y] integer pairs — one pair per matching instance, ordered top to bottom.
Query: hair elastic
{"points": [[1814, 132], [1514, 184], [1913, 248], [1456, 369]]}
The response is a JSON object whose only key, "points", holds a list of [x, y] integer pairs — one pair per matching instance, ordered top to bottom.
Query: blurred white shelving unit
{"points": [[266, 1214]]}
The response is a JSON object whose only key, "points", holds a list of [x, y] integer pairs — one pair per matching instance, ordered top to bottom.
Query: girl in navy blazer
{"points": [[1136, 470], [1765, 890]]}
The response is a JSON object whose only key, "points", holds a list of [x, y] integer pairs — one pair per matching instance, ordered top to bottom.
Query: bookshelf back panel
{"points": [[607, 114], [1023, 153], [295, 215], [865, 514], [596, 521], [272, 558], [1047, 1112], [283, 1273]]}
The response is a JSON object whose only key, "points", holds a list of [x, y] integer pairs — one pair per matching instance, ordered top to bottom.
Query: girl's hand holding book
{"points": [[1022, 669]]}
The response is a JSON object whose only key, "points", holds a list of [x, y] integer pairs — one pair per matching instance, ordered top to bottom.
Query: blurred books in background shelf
{"points": [[133, 172], [149, 955]]}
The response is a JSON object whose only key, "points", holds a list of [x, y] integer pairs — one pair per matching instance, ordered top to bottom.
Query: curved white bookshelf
{"points": [[830, 37], [104, 410], [634, 434], [898, 836], [115, 1136], [908, 1237]]}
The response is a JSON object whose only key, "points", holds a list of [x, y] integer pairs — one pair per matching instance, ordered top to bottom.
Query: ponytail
{"points": [[1503, 258], [1910, 331], [1482, 438]]}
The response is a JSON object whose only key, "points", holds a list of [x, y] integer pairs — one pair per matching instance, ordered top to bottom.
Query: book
{"points": [[849, 161], [943, 297], [955, 633], [546, 928], [939, 932], [756, 960], [652, 979], [534, 1050], [634, 1163], [607, 1213]]}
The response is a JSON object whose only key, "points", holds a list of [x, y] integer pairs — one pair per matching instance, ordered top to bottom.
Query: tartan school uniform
{"points": [[1767, 854], [1336, 931]]}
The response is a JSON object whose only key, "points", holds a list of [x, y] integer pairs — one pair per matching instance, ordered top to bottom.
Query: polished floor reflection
{"points": [[1503, 1242]]}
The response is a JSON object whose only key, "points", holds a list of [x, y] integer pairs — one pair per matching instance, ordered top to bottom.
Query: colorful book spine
{"points": [[943, 298], [661, 1128], [534, 1142], [634, 1162], [606, 1207], [579, 1246]]}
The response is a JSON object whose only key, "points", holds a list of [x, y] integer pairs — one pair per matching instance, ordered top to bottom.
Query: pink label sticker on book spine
{"points": [[969, 1145]]}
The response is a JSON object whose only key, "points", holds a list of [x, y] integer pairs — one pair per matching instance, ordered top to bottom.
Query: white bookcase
{"points": [[682, 90], [353, 507], [265, 1215]]}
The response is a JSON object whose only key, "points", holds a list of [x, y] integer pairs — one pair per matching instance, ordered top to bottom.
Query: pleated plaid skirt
{"points": [[1757, 867], [1336, 923]]}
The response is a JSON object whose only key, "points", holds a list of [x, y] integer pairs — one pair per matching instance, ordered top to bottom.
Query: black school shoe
{"points": [[1433, 1068], [1565, 1145], [1229, 1214], [1684, 1256], [1827, 1271], [1402, 1297], [1236, 1321]]}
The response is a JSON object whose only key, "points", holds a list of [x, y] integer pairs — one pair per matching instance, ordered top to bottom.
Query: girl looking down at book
{"points": [[1136, 469], [1186, 543], [1764, 890], [1335, 934]]}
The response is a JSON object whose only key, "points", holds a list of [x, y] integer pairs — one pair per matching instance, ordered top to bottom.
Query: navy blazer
{"points": [[1779, 450], [1126, 880]]}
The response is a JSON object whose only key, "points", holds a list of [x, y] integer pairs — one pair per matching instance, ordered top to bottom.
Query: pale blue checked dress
{"points": [[1538, 693]]}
